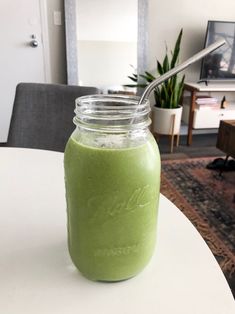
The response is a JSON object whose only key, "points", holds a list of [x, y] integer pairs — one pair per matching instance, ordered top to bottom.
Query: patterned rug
{"points": [[208, 200]]}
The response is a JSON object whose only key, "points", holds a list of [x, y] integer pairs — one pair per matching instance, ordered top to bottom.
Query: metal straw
{"points": [[179, 68]]}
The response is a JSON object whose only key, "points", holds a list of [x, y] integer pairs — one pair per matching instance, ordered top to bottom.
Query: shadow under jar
{"points": [[112, 179]]}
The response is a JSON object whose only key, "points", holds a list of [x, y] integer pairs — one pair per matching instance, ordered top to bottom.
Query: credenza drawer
{"points": [[210, 118]]}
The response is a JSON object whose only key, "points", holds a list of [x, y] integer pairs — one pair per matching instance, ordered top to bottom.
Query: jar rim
{"points": [[132, 99], [119, 112]]}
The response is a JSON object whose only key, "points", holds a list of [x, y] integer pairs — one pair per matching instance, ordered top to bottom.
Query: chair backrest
{"points": [[42, 115]]}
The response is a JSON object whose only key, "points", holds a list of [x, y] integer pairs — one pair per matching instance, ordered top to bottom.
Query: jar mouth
{"points": [[116, 113]]}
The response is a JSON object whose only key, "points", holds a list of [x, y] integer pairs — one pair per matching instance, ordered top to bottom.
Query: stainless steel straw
{"points": [[180, 67]]}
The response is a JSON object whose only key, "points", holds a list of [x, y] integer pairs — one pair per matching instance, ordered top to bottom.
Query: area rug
{"points": [[208, 200]]}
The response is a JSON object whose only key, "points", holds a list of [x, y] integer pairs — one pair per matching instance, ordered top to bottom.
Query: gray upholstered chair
{"points": [[42, 115]]}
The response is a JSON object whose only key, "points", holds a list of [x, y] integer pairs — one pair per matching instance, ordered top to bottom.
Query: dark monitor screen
{"points": [[220, 64]]}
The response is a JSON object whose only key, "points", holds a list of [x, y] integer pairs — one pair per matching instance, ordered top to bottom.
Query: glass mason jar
{"points": [[112, 179]]}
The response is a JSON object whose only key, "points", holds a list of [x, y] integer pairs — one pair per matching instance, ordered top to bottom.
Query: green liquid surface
{"points": [[112, 199]]}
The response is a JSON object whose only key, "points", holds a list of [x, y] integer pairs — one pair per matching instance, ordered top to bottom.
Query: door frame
{"points": [[45, 40]]}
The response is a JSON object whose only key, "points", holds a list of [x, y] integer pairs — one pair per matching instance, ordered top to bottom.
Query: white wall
{"points": [[167, 17], [165, 20]]}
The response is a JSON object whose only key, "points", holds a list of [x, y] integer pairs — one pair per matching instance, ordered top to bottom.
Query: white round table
{"points": [[37, 275]]}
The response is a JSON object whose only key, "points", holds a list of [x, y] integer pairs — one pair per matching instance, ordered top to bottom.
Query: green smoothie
{"points": [[112, 199]]}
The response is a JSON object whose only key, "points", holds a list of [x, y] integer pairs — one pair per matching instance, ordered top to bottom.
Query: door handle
{"points": [[33, 43]]}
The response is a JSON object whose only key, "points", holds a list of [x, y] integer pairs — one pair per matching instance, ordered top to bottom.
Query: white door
{"points": [[20, 21]]}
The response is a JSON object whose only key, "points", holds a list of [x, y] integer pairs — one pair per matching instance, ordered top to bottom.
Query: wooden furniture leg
{"points": [[191, 116], [172, 132], [157, 137], [177, 139], [172, 143], [225, 162]]}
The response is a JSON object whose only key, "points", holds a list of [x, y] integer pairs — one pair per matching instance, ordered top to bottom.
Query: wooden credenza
{"points": [[195, 89], [226, 137]]}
